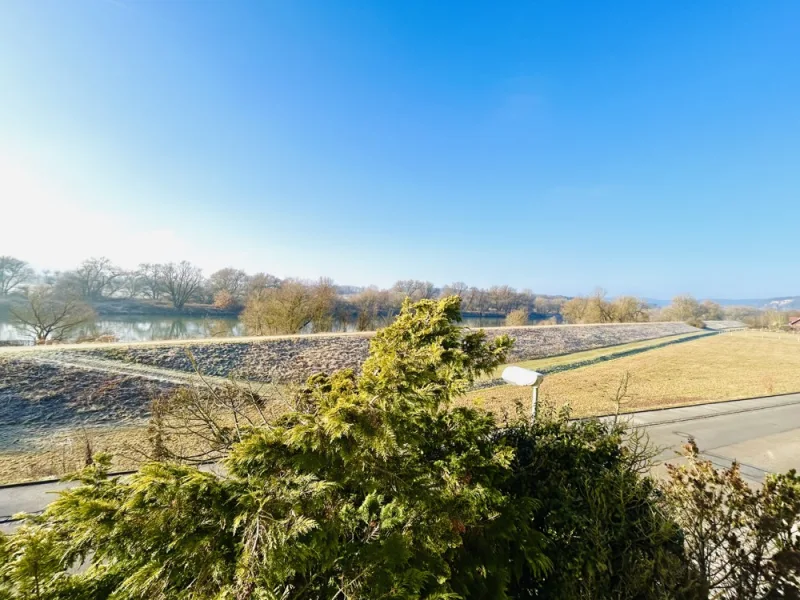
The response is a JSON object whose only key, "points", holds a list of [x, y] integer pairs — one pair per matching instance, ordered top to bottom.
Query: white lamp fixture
{"points": [[525, 377]]}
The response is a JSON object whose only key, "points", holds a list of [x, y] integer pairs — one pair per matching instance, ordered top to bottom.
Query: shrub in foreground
{"points": [[374, 486], [366, 491], [742, 541]]}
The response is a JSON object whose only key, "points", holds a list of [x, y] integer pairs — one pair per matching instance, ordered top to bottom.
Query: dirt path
{"points": [[121, 368]]}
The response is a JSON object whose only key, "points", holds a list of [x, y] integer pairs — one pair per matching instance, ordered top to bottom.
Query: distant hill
{"points": [[655, 302], [781, 303]]}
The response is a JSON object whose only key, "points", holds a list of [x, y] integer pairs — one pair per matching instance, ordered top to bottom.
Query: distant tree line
{"points": [[98, 279], [268, 304], [271, 305], [598, 309]]}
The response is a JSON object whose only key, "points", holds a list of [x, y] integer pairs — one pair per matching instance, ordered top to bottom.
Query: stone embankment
{"points": [[725, 325], [293, 358], [43, 390], [40, 397]]}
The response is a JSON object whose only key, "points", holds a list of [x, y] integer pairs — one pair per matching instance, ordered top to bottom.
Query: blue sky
{"points": [[647, 147]]}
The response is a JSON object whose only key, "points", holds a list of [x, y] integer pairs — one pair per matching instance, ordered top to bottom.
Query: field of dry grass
{"points": [[565, 360], [722, 367], [66, 452]]}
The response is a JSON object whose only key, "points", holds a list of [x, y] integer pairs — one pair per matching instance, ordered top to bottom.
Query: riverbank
{"points": [[157, 308], [56, 399]]}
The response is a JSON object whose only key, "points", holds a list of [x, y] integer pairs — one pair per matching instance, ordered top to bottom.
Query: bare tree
{"points": [[13, 273], [151, 277], [94, 279], [181, 281], [233, 281], [262, 281], [130, 284], [457, 288], [415, 289], [501, 297], [224, 300], [477, 300], [371, 303], [323, 304], [547, 306], [687, 308], [287, 309], [597, 309], [627, 309], [574, 310], [711, 311], [48, 315], [517, 318], [621, 393], [201, 423]]}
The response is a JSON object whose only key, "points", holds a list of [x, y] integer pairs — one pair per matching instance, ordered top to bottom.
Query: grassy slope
{"points": [[563, 360], [723, 367]]}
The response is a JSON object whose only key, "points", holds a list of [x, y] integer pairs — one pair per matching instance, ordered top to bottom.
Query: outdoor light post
{"points": [[525, 377]]}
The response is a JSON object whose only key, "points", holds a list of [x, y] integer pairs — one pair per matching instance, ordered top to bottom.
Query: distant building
{"points": [[794, 323]]}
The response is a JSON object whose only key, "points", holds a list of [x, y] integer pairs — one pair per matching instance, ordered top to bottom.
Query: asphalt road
{"points": [[763, 434]]}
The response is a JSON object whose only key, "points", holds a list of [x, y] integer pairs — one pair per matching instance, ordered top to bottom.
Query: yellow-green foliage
{"points": [[374, 486], [366, 490]]}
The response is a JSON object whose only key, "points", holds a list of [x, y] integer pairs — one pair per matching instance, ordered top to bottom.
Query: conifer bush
{"points": [[376, 487]]}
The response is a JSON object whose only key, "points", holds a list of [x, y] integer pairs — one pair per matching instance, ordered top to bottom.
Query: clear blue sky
{"points": [[647, 147]]}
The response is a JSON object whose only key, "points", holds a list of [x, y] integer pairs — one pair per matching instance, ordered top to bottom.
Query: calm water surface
{"points": [[147, 328]]}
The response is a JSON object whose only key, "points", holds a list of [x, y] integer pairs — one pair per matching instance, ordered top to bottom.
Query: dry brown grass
{"points": [[562, 360], [722, 367], [183, 433], [66, 453]]}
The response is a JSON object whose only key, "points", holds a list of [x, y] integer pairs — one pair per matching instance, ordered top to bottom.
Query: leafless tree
{"points": [[13, 273], [94, 279], [151, 279], [181, 281], [233, 281], [262, 281], [130, 284], [457, 288], [415, 289], [502, 297], [477, 300], [370, 303], [323, 304], [289, 308], [597, 309], [627, 309], [574, 310], [49, 315], [517, 318], [621, 393], [201, 423]]}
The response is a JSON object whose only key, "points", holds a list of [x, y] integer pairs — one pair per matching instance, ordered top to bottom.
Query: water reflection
{"points": [[148, 328], [139, 329]]}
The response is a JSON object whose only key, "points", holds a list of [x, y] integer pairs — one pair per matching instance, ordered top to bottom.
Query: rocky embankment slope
{"points": [[293, 358], [45, 389], [41, 397]]}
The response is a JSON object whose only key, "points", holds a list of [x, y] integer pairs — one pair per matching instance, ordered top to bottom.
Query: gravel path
{"points": [[75, 360]]}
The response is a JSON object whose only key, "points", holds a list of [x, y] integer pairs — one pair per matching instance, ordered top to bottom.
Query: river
{"points": [[147, 328]]}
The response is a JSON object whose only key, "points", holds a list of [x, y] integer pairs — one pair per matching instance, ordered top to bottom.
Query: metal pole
{"points": [[534, 402]]}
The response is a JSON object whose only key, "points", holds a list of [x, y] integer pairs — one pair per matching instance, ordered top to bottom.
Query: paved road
{"points": [[762, 434]]}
